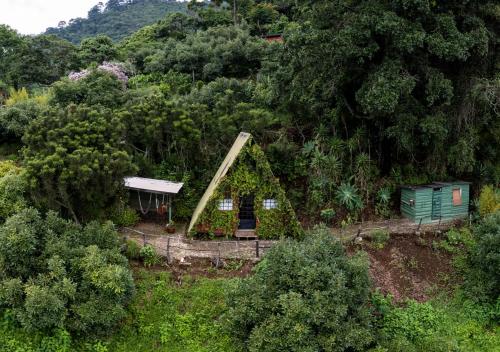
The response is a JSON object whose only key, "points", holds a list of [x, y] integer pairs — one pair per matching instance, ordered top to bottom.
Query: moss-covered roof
{"points": [[231, 156]]}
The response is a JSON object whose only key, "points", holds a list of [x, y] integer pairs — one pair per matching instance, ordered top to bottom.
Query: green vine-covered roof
{"points": [[231, 156]]}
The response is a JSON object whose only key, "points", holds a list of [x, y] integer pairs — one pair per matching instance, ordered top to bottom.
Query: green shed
{"points": [[439, 201]]}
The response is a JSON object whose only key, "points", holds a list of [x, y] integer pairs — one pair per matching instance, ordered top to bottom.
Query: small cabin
{"points": [[244, 198], [439, 201]]}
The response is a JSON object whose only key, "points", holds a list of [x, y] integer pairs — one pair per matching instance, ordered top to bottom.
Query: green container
{"points": [[439, 201]]}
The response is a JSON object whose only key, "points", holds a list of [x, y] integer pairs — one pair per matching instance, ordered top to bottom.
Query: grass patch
{"points": [[165, 316]]}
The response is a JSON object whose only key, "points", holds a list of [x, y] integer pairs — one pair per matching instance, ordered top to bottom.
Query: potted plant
{"points": [[170, 228]]}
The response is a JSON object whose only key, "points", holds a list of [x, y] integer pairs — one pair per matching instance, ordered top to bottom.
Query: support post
{"points": [[169, 209], [168, 250], [257, 254]]}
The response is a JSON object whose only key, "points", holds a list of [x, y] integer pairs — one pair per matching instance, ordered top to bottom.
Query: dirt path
{"points": [[392, 226], [178, 246]]}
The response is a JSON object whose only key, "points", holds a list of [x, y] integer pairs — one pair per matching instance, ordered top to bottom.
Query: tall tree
{"points": [[75, 161]]}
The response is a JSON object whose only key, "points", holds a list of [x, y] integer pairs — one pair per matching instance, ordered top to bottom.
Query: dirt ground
{"points": [[409, 267]]}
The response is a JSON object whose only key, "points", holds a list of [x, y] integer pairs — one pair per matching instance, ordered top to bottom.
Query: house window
{"points": [[457, 196], [226, 204], [270, 204]]}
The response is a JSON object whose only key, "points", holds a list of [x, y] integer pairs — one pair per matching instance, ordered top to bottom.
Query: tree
{"points": [[10, 44], [97, 50], [218, 51], [43, 60], [396, 70], [97, 87], [15, 119], [75, 161], [13, 189], [56, 274], [483, 279], [305, 296]]}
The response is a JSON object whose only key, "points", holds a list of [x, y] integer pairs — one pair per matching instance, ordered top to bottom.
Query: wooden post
{"points": [[169, 209], [168, 250], [218, 253], [257, 254]]}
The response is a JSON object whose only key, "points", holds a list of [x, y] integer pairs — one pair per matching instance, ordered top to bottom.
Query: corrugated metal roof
{"points": [[231, 156], [152, 185]]}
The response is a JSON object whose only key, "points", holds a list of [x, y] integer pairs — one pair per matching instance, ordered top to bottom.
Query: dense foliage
{"points": [[116, 19], [352, 100], [74, 160], [484, 266], [56, 274], [305, 296]]}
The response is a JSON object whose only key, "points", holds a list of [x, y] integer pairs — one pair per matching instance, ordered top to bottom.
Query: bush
{"points": [[13, 186], [489, 200], [327, 215], [123, 216], [380, 238], [133, 250], [149, 256], [57, 274], [483, 279], [304, 296]]}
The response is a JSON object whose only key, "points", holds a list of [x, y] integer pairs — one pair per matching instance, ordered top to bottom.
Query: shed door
{"points": [[436, 203]]}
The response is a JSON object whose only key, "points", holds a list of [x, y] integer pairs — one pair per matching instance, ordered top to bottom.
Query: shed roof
{"points": [[231, 156], [435, 184], [152, 185]]}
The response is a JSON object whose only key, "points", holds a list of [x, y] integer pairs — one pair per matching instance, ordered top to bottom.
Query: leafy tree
{"points": [[10, 45], [97, 50], [227, 51], [43, 60], [396, 70], [97, 88], [15, 119], [75, 161], [13, 188], [56, 274], [484, 274], [306, 296]]}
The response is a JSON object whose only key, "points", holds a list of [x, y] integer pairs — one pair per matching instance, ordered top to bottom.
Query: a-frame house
{"points": [[244, 199]]}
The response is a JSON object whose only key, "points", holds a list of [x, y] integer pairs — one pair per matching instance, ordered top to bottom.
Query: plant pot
{"points": [[219, 232]]}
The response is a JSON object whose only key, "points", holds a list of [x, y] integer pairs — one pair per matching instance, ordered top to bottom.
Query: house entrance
{"points": [[247, 215]]}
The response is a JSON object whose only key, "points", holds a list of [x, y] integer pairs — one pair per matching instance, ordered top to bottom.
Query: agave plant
{"points": [[347, 195], [384, 195]]}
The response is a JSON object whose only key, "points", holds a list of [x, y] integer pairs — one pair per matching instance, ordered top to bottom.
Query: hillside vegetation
{"points": [[116, 19], [356, 99]]}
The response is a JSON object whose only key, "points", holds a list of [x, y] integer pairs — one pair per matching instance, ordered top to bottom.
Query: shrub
{"points": [[13, 186], [348, 196], [489, 200], [327, 215], [123, 216], [380, 238], [133, 250], [149, 256], [57, 274], [483, 281], [304, 296]]}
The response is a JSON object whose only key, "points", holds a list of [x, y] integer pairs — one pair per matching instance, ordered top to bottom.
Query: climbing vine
{"points": [[250, 174]]}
